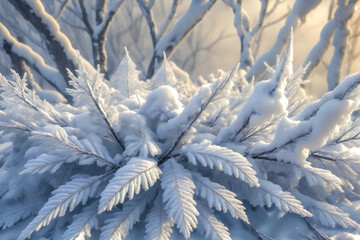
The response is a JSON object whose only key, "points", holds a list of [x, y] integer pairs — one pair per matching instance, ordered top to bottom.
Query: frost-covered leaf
{"points": [[164, 76], [126, 78], [88, 88], [91, 90], [17, 92], [141, 144], [86, 151], [226, 160], [43, 163], [323, 177], [128, 181], [270, 193], [178, 196], [65, 197], [219, 197], [13, 213], [327, 214], [158, 223], [118, 225], [80, 228], [213, 228]]}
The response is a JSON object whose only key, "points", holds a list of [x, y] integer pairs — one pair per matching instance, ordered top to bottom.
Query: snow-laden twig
{"points": [[62, 8], [299, 11], [341, 18], [165, 26], [245, 33], [170, 41], [57, 43], [318, 51], [52, 75], [266, 101]]}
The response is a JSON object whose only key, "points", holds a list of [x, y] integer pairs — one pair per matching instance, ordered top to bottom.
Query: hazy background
{"points": [[214, 44]]}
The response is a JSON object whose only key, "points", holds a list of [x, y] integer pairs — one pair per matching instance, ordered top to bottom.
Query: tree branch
{"points": [[62, 9], [100, 11], [147, 13], [342, 16], [84, 17], [291, 22], [164, 28], [99, 35], [172, 39], [56, 42], [318, 51], [34, 60], [19, 63]]}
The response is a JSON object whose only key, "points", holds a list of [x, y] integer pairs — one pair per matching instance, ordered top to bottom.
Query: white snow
{"points": [[195, 12], [53, 27], [50, 73], [267, 100], [161, 104], [180, 122]]}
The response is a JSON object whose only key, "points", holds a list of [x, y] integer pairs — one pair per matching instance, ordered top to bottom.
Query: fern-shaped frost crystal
{"points": [[224, 159], [128, 180], [178, 195], [65, 197]]}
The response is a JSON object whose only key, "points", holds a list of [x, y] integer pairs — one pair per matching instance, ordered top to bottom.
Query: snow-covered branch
{"points": [[62, 9], [299, 11], [104, 15], [148, 15], [341, 18], [165, 26], [245, 33], [100, 34], [170, 41], [57, 43], [318, 51], [33, 59]]}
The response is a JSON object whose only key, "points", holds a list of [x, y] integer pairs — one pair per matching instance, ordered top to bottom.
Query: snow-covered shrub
{"points": [[163, 155]]}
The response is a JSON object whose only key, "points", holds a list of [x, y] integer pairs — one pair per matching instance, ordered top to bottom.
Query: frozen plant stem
{"points": [[103, 114]]}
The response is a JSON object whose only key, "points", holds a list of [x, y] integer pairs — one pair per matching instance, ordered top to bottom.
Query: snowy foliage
{"points": [[130, 154]]}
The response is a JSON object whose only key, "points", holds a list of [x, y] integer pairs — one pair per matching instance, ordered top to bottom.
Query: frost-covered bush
{"points": [[167, 156]]}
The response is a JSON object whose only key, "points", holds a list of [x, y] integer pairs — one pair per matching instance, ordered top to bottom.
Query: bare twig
{"points": [[62, 8]]}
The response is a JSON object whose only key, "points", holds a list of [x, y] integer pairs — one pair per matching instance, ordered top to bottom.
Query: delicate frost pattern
{"points": [[224, 159], [136, 173], [178, 196], [158, 223]]}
